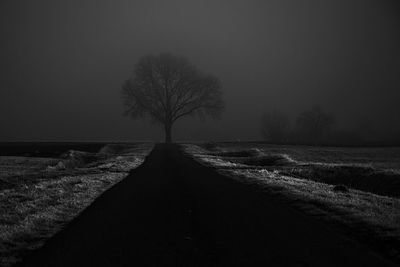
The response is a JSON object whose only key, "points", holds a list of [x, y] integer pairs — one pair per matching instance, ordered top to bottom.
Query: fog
{"points": [[62, 64]]}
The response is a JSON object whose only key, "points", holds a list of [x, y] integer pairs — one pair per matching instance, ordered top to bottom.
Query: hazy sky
{"points": [[62, 63]]}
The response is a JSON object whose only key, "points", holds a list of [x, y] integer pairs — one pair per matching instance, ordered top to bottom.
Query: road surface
{"points": [[172, 211]]}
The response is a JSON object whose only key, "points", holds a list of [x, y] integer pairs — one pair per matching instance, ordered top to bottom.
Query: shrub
{"points": [[112, 149], [340, 188]]}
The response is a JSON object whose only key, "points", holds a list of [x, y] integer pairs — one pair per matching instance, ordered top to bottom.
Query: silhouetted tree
{"points": [[166, 87], [313, 124], [275, 126]]}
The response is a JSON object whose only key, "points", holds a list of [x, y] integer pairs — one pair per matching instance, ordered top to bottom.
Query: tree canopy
{"points": [[166, 87]]}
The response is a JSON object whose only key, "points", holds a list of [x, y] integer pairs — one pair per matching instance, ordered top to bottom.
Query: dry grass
{"points": [[239, 153], [377, 157], [270, 160], [16, 170], [351, 171], [365, 178], [312, 190], [32, 210]]}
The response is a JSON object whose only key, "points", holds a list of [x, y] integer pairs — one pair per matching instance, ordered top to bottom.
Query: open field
{"points": [[46, 149], [377, 157], [375, 170], [355, 187], [40, 195], [173, 211]]}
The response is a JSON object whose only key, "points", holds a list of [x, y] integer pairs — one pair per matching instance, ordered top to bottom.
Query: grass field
{"points": [[46, 149], [377, 157], [375, 170], [355, 187], [40, 195]]}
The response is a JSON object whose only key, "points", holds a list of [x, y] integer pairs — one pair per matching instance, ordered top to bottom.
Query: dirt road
{"points": [[172, 211]]}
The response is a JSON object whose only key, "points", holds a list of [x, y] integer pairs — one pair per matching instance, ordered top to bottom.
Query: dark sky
{"points": [[62, 63]]}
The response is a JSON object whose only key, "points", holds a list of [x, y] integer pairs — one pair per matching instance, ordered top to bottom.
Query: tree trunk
{"points": [[168, 133]]}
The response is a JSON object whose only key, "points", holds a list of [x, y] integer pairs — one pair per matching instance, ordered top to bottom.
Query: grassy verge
{"points": [[39, 195], [371, 217]]}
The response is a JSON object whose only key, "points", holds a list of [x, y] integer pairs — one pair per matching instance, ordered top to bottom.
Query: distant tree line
{"points": [[312, 126], [315, 126]]}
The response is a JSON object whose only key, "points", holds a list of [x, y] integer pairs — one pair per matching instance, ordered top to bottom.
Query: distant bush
{"points": [[112, 149], [75, 159], [340, 188]]}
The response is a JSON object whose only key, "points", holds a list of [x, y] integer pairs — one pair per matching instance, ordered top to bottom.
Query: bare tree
{"points": [[166, 87], [313, 124], [275, 126]]}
